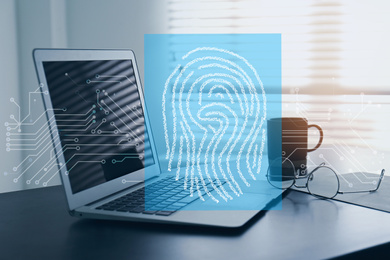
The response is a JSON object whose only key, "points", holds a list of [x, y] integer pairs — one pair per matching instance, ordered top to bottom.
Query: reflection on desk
{"points": [[37, 226]]}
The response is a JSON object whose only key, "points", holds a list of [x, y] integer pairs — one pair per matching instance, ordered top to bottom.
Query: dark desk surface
{"points": [[35, 225]]}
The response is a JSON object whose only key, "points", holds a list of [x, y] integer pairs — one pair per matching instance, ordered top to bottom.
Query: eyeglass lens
{"points": [[282, 177], [323, 182]]}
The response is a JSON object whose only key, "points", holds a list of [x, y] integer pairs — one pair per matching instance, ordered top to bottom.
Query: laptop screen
{"points": [[100, 120]]}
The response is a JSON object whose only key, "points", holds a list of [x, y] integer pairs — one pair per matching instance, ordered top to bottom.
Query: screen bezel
{"points": [[100, 191]]}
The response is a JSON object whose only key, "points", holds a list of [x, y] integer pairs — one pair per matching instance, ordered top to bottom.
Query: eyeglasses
{"points": [[321, 182]]}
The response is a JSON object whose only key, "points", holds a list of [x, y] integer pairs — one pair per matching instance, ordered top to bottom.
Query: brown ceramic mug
{"points": [[287, 138]]}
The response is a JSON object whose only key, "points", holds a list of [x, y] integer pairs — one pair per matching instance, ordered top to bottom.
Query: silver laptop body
{"points": [[59, 68]]}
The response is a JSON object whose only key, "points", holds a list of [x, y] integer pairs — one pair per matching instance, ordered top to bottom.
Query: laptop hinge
{"points": [[113, 194]]}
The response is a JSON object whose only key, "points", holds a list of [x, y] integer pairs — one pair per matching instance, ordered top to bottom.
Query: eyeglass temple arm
{"points": [[309, 174], [360, 191]]}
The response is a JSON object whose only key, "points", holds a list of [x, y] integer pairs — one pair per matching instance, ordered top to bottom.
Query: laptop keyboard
{"points": [[164, 197]]}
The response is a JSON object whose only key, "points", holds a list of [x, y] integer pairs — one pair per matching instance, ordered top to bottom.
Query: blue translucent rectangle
{"points": [[209, 97]]}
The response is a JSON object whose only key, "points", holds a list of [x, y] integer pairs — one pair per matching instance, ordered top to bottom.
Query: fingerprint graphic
{"points": [[213, 109]]}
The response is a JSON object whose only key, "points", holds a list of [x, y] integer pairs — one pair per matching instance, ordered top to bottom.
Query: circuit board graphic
{"points": [[101, 138]]}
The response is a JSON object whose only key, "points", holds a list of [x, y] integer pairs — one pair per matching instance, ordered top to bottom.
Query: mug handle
{"points": [[321, 137]]}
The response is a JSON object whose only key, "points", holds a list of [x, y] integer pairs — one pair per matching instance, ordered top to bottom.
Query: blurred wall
{"points": [[115, 24], [9, 88]]}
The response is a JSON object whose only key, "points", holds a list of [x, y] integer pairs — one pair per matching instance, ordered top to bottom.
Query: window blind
{"points": [[328, 47]]}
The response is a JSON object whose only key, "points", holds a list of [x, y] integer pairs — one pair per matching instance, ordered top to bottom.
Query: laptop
{"points": [[103, 144]]}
